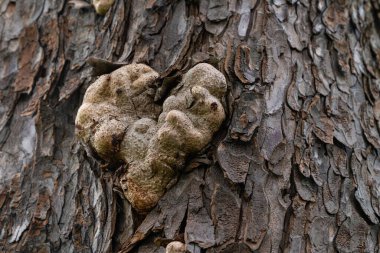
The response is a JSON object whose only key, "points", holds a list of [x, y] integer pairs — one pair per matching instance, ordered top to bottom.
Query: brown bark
{"points": [[295, 169]]}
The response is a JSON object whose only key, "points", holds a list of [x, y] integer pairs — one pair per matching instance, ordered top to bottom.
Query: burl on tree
{"points": [[119, 120]]}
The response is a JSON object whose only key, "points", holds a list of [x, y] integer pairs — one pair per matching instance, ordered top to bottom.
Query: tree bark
{"points": [[296, 167]]}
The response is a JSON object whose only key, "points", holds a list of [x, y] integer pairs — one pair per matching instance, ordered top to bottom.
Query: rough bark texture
{"points": [[295, 169]]}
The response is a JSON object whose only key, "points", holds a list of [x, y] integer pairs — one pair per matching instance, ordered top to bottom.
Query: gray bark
{"points": [[296, 167]]}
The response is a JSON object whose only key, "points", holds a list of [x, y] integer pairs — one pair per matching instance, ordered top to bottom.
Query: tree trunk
{"points": [[295, 168]]}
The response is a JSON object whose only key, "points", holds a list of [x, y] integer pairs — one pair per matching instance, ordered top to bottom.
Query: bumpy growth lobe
{"points": [[102, 6], [113, 103], [119, 120], [176, 247]]}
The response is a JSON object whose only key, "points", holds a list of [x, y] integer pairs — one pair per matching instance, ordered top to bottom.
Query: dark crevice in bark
{"points": [[289, 212]]}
